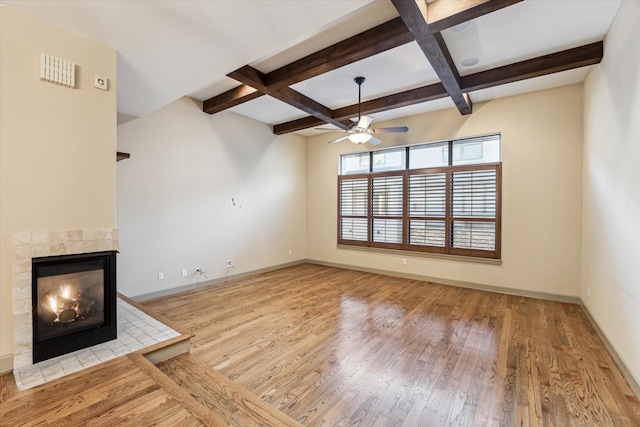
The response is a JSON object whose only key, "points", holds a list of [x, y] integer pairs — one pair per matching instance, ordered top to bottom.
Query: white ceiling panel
{"points": [[368, 16], [529, 29], [393, 71], [221, 85], [530, 85], [268, 110]]}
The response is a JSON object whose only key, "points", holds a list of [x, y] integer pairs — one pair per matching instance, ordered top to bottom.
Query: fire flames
{"points": [[65, 290], [53, 303], [63, 304]]}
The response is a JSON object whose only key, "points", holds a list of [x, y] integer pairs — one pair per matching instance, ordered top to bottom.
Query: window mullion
{"points": [[405, 207], [448, 209], [370, 211]]}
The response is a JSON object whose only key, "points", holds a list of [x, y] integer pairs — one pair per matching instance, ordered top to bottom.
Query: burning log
{"points": [[85, 306], [68, 315], [47, 316]]}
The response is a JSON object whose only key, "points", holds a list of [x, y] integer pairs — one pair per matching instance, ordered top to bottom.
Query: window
{"points": [[442, 197]]}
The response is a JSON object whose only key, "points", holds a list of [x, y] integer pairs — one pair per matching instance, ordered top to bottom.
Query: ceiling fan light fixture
{"points": [[360, 138]]}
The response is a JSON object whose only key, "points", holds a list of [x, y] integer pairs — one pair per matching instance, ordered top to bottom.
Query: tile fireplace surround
{"points": [[26, 245]]}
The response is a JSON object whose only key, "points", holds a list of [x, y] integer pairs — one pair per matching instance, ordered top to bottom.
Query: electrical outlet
{"points": [[100, 82], [290, 252], [404, 261], [230, 263], [184, 272], [160, 276], [588, 292]]}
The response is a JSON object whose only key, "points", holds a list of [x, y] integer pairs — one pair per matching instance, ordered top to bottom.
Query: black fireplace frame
{"points": [[107, 331]]}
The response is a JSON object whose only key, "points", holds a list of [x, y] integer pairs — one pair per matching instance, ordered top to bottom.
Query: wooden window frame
{"points": [[448, 218]]}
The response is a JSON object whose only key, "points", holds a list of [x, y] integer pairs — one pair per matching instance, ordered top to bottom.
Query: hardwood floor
{"points": [[318, 346], [334, 347], [8, 387], [117, 392]]}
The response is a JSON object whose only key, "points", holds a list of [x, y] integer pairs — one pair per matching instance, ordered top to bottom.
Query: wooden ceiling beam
{"points": [[443, 14], [414, 15], [376, 40], [371, 42], [548, 64], [541, 66], [254, 78], [230, 98], [396, 100], [389, 102], [296, 125]]}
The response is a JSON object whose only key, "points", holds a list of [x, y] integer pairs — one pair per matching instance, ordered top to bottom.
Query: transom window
{"points": [[441, 197]]}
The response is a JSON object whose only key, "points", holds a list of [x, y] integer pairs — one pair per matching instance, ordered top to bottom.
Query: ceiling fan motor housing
{"points": [[361, 131]]}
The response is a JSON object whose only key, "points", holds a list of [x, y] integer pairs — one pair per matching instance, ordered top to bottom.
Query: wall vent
{"points": [[57, 70]]}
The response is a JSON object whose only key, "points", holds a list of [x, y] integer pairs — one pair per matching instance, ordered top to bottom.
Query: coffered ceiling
{"points": [[404, 48]]}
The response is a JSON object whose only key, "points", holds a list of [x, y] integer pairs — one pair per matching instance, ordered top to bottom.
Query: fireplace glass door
{"points": [[73, 302]]}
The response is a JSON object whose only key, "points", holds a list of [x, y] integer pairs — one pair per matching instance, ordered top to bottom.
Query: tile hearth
{"points": [[136, 330]]}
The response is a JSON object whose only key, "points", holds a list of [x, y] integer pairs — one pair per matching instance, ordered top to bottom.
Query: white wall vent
{"points": [[57, 70]]}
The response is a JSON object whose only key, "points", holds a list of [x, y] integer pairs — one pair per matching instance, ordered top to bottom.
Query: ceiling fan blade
{"points": [[364, 122], [334, 129], [398, 129], [339, 139], [374, 141]]}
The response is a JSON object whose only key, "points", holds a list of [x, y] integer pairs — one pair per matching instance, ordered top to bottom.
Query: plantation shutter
{"points": [[387, 199], [474, 206], [354, 209], [427, 209]]}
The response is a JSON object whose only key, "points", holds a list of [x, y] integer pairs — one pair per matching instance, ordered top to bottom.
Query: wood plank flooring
{"points": [[322, 346], [333, 347], [8, 387], [117, 392], [223, 396]]}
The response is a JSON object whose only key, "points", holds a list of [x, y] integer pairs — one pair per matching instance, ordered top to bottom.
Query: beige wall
{"points": [[57, 152], [174, 192], [542, 193], [567, 229], [611, 231]]}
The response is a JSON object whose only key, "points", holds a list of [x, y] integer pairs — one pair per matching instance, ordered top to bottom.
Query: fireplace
{"points": [[74, 302]]}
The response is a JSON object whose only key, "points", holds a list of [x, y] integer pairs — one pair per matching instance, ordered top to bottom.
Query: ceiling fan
{"points": [[361, 131]]}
